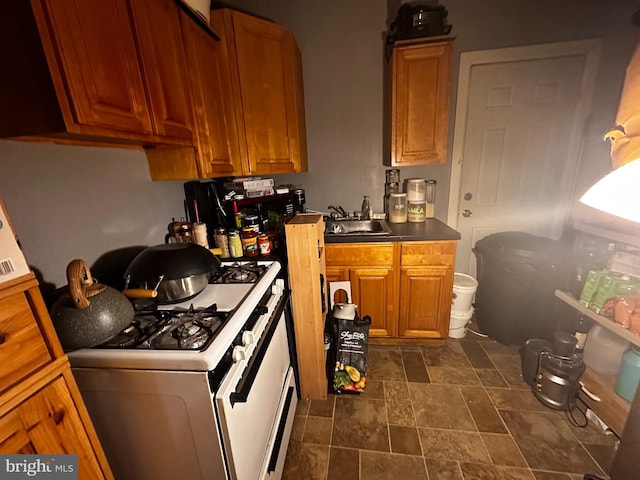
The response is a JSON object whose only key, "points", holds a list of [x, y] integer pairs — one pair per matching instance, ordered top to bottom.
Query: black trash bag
{"points": [[347, 357]]}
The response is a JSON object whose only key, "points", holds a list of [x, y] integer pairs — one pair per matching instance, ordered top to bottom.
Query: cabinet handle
{"points": [[3, 337], [58, 416]]}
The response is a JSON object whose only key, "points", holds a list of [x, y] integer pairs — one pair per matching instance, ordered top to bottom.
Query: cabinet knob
{"points": [[467, 213], [58, 415]]}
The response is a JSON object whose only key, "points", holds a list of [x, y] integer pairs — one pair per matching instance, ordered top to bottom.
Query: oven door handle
{"points": [[241, 394]]}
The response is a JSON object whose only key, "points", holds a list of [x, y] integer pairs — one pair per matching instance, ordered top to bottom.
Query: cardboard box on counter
{"points": [[13, 264]]}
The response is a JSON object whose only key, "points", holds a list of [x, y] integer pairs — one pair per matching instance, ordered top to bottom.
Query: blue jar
{"points": [[629, 373]]}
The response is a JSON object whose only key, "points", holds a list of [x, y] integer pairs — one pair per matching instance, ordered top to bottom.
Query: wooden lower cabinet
{"points": [[369, 268], [405, 287], [426, 288], [372, 290], [425, 302], [41, 410], [48, 422]]}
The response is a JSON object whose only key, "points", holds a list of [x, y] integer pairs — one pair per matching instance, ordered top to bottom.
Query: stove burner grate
{"points": [[248, 272], [170, 330]]}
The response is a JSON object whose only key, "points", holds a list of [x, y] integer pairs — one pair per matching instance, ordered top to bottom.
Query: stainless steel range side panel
{"points": [[158, 426]]}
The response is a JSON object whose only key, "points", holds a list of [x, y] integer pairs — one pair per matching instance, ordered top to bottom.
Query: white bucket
{"points": [[464, 290], [458, 323]]}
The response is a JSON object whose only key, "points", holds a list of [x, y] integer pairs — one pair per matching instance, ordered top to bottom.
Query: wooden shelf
{"points": [[607, 323], [612, 408]]}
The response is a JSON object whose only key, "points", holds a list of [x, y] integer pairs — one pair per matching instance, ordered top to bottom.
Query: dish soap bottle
{"points": [[366, 208]]}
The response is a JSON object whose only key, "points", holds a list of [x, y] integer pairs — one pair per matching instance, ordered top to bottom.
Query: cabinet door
{"points": [[157, 25], [92, 54], [268, 96], [420, 103], [217, 146], [372, 291], [425, 302], [48, 423], [53, 425], [13, 436]]}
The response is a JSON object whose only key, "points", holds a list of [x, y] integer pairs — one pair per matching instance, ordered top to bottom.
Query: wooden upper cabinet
{"points": [[159, 33], [104, 70], [266, 74], [420, 83], [247, 94], [217, 143]]}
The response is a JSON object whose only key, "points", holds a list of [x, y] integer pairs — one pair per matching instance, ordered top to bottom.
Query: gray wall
{"points": [[342, 45], [68, 202], [80, 202]]}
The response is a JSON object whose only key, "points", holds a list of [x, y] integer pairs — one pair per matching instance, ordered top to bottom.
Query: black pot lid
{"points": [[171, 260]]}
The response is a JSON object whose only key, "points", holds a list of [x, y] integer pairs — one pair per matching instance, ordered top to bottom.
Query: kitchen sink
{"points": [[357, 227]]}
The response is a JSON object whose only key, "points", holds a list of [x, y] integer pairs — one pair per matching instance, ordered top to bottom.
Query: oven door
{"points": [[255, 404]]}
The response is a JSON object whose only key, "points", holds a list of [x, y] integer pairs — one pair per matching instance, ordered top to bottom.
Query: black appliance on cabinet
{"points": [[415, 20]]}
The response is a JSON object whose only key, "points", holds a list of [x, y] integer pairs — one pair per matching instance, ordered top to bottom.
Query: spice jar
{"points": [[239, 219], [222, 241], [250, 242], [235, 244], [264, 244]]}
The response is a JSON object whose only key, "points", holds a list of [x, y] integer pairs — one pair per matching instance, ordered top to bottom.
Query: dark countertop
{"points": [[431, 229]]}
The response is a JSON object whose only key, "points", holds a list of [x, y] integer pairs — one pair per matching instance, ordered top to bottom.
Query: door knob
{"points": [[467, 213]]}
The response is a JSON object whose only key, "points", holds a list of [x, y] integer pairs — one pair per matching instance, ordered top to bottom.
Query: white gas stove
{"points": [[185, 390]]}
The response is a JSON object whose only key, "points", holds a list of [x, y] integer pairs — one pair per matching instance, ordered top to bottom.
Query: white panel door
{"points": [[522, 132]]}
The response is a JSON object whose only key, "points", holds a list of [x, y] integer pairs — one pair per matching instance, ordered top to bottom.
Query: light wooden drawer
{"points": [[427, 253], [354, 255], [22, 347]]}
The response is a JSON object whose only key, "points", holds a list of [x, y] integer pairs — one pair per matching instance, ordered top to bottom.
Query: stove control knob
{"points": [[276, 289], [261, 309], [247, 338], [238, 354]]}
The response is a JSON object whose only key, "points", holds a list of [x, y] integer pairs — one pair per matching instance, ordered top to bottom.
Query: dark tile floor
{"points": [[457, 412]]}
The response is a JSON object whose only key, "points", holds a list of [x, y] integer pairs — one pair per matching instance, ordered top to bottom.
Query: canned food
{"points": [[250, 242], [235, 244], [264, 244]]}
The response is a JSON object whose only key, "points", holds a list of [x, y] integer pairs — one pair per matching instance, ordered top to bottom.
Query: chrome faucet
{"points": [[339, 211]]}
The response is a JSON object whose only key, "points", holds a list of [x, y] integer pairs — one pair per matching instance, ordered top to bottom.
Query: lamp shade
{"points": [[618, 193]]}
